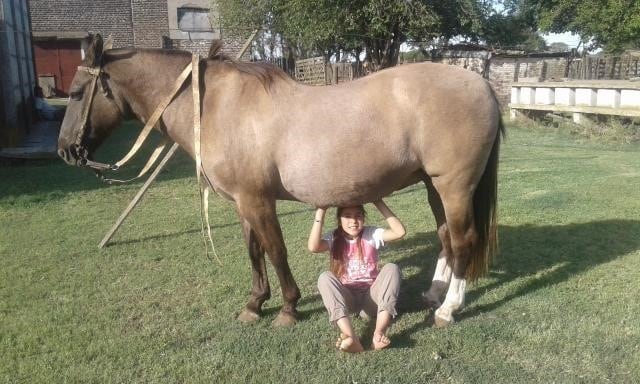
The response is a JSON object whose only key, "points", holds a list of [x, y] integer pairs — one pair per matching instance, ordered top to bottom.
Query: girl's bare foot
{"points": [[380, 341], [349, 344]]}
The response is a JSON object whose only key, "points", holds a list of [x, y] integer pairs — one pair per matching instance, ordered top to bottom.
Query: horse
{"points": [[266, 137]]}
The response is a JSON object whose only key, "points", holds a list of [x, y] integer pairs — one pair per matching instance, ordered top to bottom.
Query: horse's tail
{"points": [[484, 210]]}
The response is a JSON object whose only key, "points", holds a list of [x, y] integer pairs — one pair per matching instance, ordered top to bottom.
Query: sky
{"points": [[571, 40]]}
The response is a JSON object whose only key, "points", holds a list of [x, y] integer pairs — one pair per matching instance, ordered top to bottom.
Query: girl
{"points": [[354, 282]]}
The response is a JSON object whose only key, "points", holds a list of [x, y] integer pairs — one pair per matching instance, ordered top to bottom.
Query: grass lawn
{"points": [[560, 303]]}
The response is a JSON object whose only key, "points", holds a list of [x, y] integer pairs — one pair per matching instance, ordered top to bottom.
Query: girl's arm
{"points": [[396, 228], [316, 243]]}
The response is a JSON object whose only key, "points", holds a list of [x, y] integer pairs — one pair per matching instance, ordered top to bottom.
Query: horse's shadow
{"points": [[549, 254]]}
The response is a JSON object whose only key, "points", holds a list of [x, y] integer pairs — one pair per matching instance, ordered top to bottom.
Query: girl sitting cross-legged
{"points": [[355, 283]]}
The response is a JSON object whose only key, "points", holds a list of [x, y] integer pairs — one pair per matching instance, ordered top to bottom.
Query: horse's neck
{"points": [[145, 79]]}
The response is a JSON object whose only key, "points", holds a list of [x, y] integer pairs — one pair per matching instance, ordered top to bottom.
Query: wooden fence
{"points": [[604, 67], [312, 71], [315, 71]]}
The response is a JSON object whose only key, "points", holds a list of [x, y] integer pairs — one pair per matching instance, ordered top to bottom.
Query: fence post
{"points": [[334, 74]]}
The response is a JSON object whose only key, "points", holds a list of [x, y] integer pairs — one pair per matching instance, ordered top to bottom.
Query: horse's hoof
{"points": [[247, 316], [284, 319], [439, 322]]}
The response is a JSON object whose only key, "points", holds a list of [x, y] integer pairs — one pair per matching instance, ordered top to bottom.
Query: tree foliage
{"points": [[610, 24], [376, 27], [512, 30]]}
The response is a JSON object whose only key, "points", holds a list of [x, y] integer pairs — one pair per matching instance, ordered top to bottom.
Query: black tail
{"points": [[484, 209]]}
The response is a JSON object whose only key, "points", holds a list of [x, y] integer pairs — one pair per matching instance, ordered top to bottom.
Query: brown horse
{"points": [[267, 138]]}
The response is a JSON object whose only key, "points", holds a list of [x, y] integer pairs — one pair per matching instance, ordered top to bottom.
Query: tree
{"points": [[610, 24], [376, 27], [512, 30]]}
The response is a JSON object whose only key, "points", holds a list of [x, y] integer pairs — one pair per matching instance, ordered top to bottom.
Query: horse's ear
{"points": [[108, 43], [215, 49], [93, 55]]}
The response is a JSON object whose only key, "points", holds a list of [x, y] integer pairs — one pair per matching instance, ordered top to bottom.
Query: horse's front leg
{"points": [[260, 213], [260, 291]]}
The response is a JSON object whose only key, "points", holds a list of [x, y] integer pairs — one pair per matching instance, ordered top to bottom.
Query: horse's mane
{"points": [[267, 73]]}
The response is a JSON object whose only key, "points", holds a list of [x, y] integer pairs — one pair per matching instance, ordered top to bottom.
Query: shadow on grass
{"points": [[55, 178], [563, 250], [545, 255], [549, 255]]}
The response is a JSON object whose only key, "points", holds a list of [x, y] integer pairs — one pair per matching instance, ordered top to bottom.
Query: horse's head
{"points": [[93, 111]]}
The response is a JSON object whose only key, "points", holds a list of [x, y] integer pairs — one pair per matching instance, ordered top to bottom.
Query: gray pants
{"points": [[341, 300]]}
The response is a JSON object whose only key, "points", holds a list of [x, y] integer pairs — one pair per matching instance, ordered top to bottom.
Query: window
{"points": [[192, 19]]}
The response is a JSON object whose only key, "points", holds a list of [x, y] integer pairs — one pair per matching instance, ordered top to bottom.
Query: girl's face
{"points": [[352, 221]]}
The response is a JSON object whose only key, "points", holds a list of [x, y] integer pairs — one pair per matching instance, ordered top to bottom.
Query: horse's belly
{"points": [[343, 189]]}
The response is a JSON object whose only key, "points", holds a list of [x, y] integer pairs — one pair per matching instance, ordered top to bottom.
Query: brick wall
{"points": [[63, 17], [150, 22], [139, 23], [231, 46], [200, 47], [506, 70], [503, 71]]}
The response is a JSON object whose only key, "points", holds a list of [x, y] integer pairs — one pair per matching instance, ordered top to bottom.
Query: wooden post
{"points": [[334, 74], [138, 196]]}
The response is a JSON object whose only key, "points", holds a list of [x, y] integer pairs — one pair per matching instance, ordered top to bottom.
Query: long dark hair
{"points": [[339, 244]]}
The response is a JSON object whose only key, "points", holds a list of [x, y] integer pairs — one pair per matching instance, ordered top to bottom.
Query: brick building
{"points": [[61, 27]]}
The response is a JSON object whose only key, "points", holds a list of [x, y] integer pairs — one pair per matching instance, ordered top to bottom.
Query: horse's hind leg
{"points": [[458, 206], [260, 213], [442, 274], [260, 291]]}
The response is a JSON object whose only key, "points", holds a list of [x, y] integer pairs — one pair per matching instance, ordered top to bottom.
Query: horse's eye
{"points": [[76, 95]]}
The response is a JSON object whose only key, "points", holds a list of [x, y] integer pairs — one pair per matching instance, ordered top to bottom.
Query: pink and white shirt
{"points": [[360, 271]]}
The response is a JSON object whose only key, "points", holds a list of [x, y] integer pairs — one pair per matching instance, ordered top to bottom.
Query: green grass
{"points": [[560, 303]]}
